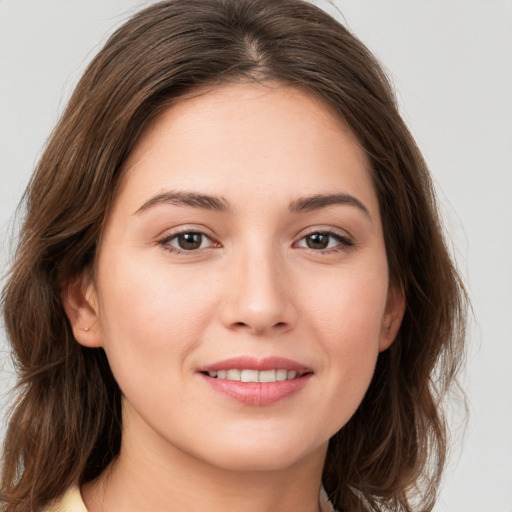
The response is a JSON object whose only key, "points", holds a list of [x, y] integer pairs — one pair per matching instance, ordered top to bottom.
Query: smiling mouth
{"points": [[249, 375], [257, 382]]}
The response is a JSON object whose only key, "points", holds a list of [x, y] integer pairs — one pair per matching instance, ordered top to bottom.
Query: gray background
{"points": [[451, 62]]}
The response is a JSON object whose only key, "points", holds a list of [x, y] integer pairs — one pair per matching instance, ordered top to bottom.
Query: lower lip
{"points": [[257, 393]]}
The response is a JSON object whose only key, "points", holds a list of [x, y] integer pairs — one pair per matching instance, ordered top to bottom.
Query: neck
{"points": [[154, 475]]}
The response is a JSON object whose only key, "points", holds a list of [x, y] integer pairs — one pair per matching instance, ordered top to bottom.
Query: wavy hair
{"points": [[65, 425]]}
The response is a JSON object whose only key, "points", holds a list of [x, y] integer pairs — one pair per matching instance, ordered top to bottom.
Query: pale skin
{"points": [[281, 254]]}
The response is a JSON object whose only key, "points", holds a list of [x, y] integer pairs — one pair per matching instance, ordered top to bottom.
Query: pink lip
{"points": [[253, 363], [257, 393]]}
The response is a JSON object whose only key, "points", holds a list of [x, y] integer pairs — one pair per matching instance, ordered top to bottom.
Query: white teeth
{"points": [[281, 374], [233, 375], [247, 375], [267, 376]]}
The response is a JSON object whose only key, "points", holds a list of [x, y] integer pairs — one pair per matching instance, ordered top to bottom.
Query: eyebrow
{"points": [[203, 201], [309, 203], [219, 204]]}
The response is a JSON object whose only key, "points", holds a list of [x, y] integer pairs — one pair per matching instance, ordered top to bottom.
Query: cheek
{"points": [[349, 305], [349, 319], [150, 320]]}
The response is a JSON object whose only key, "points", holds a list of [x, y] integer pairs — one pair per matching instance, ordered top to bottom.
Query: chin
{"points": [[264, 455]]}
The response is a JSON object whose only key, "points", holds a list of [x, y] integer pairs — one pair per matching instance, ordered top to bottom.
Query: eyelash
{"points": [[166, 242], [343, 242]]}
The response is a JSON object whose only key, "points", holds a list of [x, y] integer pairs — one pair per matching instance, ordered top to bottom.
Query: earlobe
{"points": [[81, 305], [393, 315]]}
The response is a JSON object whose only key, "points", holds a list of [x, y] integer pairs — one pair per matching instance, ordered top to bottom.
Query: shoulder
{"points": [[70, 501]]}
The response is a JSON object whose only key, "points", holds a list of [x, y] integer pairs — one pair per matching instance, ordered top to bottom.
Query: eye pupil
{"points": [[190, 241], [317, 241]]}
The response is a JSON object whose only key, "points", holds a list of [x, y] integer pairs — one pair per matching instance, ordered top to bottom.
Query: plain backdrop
{"points": [[451, 63]]}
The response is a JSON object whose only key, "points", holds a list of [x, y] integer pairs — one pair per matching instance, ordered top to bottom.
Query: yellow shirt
{"points": [[72, 501]]}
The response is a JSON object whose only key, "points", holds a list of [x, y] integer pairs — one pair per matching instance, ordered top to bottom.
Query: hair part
{"points": [[66, 424]]}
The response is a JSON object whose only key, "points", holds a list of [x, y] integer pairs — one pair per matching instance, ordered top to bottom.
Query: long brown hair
{"points": [[65, 426]]}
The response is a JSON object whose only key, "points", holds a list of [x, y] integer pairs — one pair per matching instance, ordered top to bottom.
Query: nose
{"points": [[258, 299]]}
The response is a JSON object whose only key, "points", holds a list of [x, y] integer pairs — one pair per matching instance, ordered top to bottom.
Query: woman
{"points": [[231, 288]]}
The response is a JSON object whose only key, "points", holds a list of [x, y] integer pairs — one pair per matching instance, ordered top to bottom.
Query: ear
{"points": [[80, 302], [393, 314]]}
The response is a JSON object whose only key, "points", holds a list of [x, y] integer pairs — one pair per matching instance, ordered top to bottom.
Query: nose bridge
{"points": [[258, 298]]}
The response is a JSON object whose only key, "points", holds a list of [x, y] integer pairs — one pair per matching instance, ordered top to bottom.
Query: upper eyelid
{"points": [[203, 230], [172, 232], [342, 233], [332, 234], [174, 235], [344, 239], [165, 243]]}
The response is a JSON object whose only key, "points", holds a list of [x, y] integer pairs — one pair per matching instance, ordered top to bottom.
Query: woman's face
{"points": [[246, 243]]}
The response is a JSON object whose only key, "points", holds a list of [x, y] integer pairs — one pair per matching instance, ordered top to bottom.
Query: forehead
{"points": [[239, 139]]}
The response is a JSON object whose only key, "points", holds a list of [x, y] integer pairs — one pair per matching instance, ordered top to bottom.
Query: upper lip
{"points": [[254, 363]]}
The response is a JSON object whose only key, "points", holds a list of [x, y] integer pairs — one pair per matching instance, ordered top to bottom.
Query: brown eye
{"points": [[189, 241], [318, 241], [325, 241]]}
